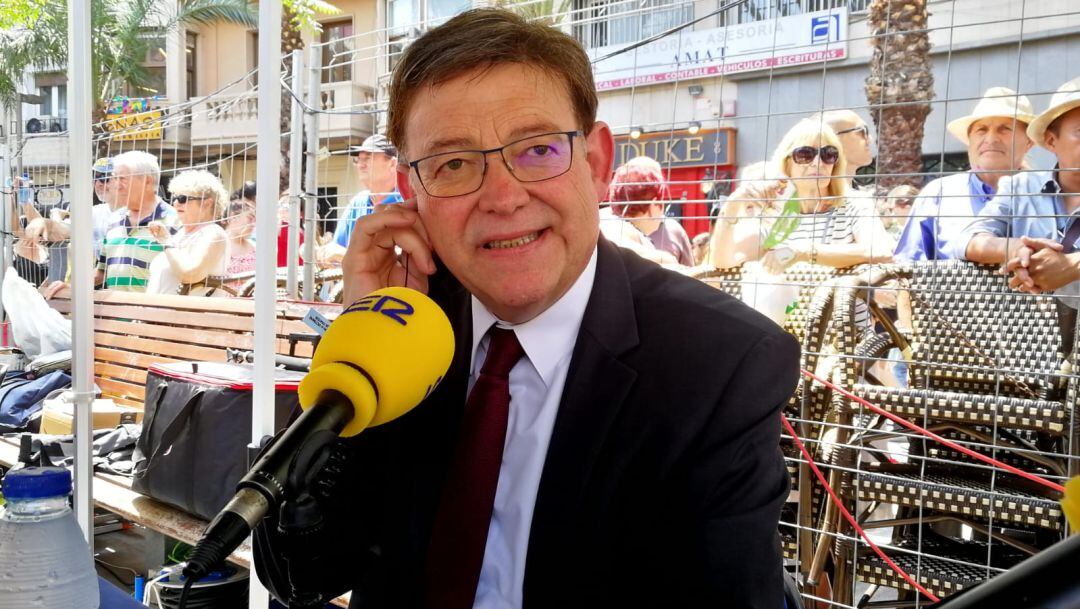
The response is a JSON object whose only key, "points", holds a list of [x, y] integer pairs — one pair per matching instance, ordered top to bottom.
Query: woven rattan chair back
{"points": [[975, 335]]}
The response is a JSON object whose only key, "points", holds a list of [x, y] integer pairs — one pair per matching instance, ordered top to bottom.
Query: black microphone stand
{"points": [[300, 523]]}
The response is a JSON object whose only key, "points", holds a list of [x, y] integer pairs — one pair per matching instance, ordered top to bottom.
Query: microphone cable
{"points": [[227, 591]]}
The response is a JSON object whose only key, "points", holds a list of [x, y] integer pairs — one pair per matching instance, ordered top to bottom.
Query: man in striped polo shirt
{"points": [[129, 247]]}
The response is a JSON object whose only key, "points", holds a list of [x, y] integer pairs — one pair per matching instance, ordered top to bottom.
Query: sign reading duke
{"points": [[679, 149]]}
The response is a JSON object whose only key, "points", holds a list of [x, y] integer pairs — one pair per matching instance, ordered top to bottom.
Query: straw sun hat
{"points": [[1066, 98], [996, 102]]}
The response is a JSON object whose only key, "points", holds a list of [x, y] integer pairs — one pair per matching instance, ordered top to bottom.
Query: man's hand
{"points": [[757, 194], [158, 230], [328, 254], [372, 260], [1040, 265], [50, 290]]}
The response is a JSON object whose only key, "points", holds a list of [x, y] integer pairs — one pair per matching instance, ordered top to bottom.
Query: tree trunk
{"points": [[291, 40], [899, 88]]}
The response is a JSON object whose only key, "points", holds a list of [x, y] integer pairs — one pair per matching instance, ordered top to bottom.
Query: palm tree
{"points": [[123, 32], [899, 88]]}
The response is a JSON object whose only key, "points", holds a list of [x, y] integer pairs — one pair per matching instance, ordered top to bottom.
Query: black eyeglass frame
{"points": [[863, 128], [818, 154], [414, 165]]}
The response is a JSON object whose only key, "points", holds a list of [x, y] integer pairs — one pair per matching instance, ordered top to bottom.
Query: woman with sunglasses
{"points": [[801, 211], [198, 249]]}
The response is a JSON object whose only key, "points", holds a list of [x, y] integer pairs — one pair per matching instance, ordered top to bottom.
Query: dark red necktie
{"points": [[459, 535]]}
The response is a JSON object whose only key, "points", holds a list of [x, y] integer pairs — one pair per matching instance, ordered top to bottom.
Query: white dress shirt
{"points": [[536, 387]]}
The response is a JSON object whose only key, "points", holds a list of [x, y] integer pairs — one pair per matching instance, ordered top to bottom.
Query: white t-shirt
{"points": [[163, 280]]}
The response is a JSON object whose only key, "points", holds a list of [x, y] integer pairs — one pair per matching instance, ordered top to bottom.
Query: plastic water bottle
{"points": [[45, 563]]}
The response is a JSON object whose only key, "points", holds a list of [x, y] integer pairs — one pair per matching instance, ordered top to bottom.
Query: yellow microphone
{"points": [[386, 352], [381, 357], [1071, 503]]}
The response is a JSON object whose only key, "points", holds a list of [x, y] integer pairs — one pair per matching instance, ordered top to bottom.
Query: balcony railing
{"points": [[223, 120]]}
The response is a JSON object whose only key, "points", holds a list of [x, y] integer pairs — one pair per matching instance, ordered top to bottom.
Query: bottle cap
{"points": [[37, 483]]}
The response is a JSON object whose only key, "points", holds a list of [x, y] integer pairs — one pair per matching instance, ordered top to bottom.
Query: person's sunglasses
{"points": [[861, 128], [804, 155], [183, 199]]}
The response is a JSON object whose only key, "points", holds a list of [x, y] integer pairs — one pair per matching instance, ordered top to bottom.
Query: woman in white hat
{"points": [[997, 145]]}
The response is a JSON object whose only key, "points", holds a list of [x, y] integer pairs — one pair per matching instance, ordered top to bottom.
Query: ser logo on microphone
{"points": [[394, 308]]}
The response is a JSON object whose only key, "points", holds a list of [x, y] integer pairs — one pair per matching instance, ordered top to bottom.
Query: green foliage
{"points": [[552, 12], [304, 13], [123, 32]]}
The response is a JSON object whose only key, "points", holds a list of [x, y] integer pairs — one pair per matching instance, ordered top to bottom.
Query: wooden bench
{"points": [[133, 331]]}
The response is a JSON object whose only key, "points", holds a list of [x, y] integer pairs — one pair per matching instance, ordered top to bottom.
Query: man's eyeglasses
{"points": [[863, 129], [804, 155], [532, 159], [183, 199]]}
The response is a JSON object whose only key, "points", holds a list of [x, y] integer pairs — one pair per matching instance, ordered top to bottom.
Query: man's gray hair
{"points": [[837, 117], [140, 163]]}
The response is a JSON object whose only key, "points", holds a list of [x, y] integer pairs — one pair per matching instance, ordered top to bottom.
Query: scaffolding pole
{"points": [[311, 129], [268, 151], [296, 151], [82, 288]]}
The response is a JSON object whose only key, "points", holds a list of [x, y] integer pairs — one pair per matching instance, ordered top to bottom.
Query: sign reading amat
{"points": [[746, 47], [132, 127], [679, 149]]}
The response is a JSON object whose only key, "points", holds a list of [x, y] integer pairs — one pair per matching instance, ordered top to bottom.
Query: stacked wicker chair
{"points": [[986, 370], [813, 406]]}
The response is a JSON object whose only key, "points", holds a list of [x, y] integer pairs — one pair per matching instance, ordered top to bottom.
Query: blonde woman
{"points": [[800, 210], [198, 249]]}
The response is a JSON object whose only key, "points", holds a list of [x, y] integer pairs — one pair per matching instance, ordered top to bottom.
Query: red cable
{"points": [[926, 432], [847, 514]]}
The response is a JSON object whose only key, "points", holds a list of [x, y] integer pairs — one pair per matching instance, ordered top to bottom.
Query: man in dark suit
{"points": [[607, 434]]}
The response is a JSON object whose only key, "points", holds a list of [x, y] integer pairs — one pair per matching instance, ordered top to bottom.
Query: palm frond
{"points": [[205, 12]]}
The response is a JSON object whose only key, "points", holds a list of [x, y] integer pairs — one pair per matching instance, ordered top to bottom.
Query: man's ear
{"points": [[1050, 141], [601, 150], [403, 186]]}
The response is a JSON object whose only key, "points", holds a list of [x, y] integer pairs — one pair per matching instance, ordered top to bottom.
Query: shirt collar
{"points": [[1052, 186], [980, 188], [160, 209], [548, 338]]}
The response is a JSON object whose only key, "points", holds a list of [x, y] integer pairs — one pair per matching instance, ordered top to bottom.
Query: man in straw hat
{"points": [[994, 134], [1031, 223], [1041, 263]]}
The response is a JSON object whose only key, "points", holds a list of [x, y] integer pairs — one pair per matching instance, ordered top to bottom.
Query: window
{"points": [[761, 10], [401, 15], [610, 22], [337, 56], [191, 59], [154, 62], [55, 103], [326, 201]]}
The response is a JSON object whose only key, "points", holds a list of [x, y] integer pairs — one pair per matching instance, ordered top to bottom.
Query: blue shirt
{"points": [[1028, 204], [360, 206], [943, 209]]}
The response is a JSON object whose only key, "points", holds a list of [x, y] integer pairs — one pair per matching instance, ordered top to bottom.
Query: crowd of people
{"points": [[801, 205]]}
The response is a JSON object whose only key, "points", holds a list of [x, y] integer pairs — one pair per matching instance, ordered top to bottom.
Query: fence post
{"points": [[314, 97], [296, 141]]}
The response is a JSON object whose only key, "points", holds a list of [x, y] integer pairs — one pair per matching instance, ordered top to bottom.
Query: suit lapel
{"points": [[596, 386]]}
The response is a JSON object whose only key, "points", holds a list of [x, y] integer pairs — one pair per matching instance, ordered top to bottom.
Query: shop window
{"points": [[610, 22]]}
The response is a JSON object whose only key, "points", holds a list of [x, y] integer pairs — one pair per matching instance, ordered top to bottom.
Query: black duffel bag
{"points": [[195, 431]]}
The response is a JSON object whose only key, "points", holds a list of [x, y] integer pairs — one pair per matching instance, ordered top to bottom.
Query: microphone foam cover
{"points": [[395, 340]]}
